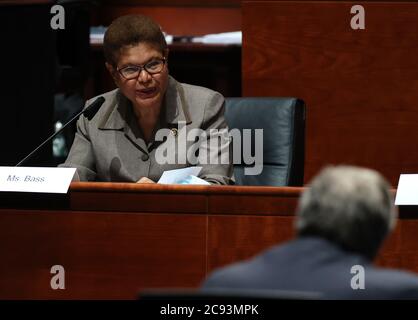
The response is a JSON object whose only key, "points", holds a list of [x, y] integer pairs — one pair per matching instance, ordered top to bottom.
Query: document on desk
{"points": [[182, 176]]}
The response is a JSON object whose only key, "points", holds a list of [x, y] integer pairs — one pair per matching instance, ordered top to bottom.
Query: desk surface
{"points": [[115, 239]]}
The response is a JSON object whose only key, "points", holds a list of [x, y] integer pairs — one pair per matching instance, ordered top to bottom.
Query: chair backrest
{"points": [[283, 124]]}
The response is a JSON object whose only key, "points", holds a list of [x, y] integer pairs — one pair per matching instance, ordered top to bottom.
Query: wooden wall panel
{"points": [[177, 3], [180, 20], [360, 86], [149, 202], [285, 204], [234, 238], [401, 249], [105, 255]]}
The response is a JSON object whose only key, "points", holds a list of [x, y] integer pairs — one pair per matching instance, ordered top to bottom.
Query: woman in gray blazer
{"points": [[151, 122]]}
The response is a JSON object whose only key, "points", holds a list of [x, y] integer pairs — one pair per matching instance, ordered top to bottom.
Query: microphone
{"points": [[92, 109], [89, 112]]}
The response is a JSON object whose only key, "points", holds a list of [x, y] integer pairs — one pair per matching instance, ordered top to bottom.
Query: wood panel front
{"points": [[360, 86], [264, 202], [236, 238], [114, 239], [104, 255]]}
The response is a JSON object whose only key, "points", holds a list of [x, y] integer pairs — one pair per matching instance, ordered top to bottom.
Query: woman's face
{"points": [[146, 90]]}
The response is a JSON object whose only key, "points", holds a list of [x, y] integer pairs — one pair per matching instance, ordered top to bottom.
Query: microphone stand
{"points": [[90, 111]]}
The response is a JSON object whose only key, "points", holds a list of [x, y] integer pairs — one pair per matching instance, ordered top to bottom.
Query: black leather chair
{"points": [[283, 124]]}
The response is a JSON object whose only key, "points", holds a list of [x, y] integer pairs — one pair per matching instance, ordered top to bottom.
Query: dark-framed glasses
{"points": [[132, 72]]}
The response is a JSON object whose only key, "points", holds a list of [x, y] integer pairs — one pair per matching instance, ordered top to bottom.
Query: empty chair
{"points": [[283, 124]]}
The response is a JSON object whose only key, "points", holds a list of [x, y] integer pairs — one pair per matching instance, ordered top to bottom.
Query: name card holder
{"points": [[36, 179], [30, 188], [407, 191]]}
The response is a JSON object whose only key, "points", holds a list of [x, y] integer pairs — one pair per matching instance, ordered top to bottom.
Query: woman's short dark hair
{"points": [[131, 30]]}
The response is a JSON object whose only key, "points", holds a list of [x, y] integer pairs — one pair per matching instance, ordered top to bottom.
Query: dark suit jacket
{"points": [[111, 147], [314, 265]]}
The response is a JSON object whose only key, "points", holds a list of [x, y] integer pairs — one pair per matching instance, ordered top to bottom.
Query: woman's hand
{"points": [[145, 180]]}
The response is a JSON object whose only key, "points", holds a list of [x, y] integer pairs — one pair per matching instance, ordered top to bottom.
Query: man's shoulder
{"points": [[289, 267], [246, 273], [231, 276], [388, 279], [374, 283]]}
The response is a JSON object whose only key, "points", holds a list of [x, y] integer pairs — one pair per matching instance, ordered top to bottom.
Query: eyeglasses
{"points": [[132, 72]]}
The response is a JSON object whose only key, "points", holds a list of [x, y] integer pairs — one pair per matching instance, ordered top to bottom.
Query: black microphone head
{"points": [[92, 109]]}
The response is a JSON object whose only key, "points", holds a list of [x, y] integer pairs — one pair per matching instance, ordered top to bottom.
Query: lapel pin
{"points": [[174, 131]]}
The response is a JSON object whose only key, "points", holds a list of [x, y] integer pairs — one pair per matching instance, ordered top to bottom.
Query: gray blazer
{"points": [[111, 147]]}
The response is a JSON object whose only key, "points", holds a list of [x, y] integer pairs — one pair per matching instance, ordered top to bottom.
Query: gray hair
{"points": [[349, 206]]}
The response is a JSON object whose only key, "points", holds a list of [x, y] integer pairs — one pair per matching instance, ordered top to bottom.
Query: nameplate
{"points": [[36, 179], [407, 192]]}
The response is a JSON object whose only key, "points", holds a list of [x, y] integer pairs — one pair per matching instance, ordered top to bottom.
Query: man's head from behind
{"points": [[349, 206]]}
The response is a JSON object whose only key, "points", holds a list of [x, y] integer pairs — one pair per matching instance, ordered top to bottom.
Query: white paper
{"points": [[220, 38], [179, 176], [36, 179], [193, 180], [407, 192]]}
